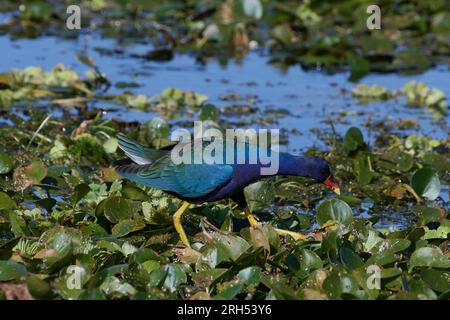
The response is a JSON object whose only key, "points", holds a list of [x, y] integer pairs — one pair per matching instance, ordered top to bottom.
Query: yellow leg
{"points": [[251, 218], [177, 223], [255, 224]]}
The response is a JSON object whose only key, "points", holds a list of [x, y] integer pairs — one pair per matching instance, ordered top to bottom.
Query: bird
{"points": [[197, 183]]}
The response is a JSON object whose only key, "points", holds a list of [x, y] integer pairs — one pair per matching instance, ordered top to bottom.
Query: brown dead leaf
{"points": [[82, 128], [396, 191], [187, 255], [15, 291]]}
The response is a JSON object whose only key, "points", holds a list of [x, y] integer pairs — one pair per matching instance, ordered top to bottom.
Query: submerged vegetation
{"points": [[71, 228]]}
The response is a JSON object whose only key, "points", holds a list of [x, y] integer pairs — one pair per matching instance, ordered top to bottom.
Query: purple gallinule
{"points": [[200, 183]]}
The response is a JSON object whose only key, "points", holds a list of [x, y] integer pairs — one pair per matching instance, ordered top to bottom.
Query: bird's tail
{"points": [[137, 152]]}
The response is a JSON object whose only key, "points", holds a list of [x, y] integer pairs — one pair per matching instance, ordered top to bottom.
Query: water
{"points": [[310, 96]]}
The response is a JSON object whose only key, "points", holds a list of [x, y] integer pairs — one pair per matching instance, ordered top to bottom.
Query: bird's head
{"points": [[319, 169]]}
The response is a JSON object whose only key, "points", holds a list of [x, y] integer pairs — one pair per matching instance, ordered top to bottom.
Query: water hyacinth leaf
{"points": [[253, 8], [38, 10], [212, 32], [412, 61], [359, 67], [365, 92], [209, 112], [155, 132], [353, 139], [111, 145], [396, 160], [5, 163], [363, 169], [29, 175], [426, 183], [80, 191], [134, 193], [258, 195], [6, 202], [117, 209], [334, 210], [428, 214], [18, 224], [126, 226], [440, 233], [62, 243], [330, 244], [232, 245], [397, 245], [428, 257], [384, 258], [350, 259], [308, 260], [151, 265], [11, 270], [388, 273], [137, 276], [175, 276], [250, 276], [204, 279], [438, 280], [335, 285], [113, 287], [39, 289], [229, 290], [92, 294]]}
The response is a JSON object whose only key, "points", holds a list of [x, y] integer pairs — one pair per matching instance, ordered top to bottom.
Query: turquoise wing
{"points": [[187, 180]]}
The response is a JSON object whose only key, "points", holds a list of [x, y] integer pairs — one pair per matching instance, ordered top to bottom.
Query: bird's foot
{"points": [[256, 224], [297, 236]]}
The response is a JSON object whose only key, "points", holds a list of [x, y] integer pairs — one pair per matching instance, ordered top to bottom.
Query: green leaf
{"points": [[252, 8], [359, 67], [209, 112], [353, 139], [110, 145], [396, 160], [5, 163], [363, 169], [36, 171], [426, 183], [134, 193], [259, 195], [6, 202], [117, 209], [334, 210], [427, 214], [18, 224], [127, 226], [232, 245], [429, 257], [350, 259], [308, 261], [11, 270], [387, 273], [175, 276], [250, 276], [438, 280], [335, 285], [39, 289]]}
